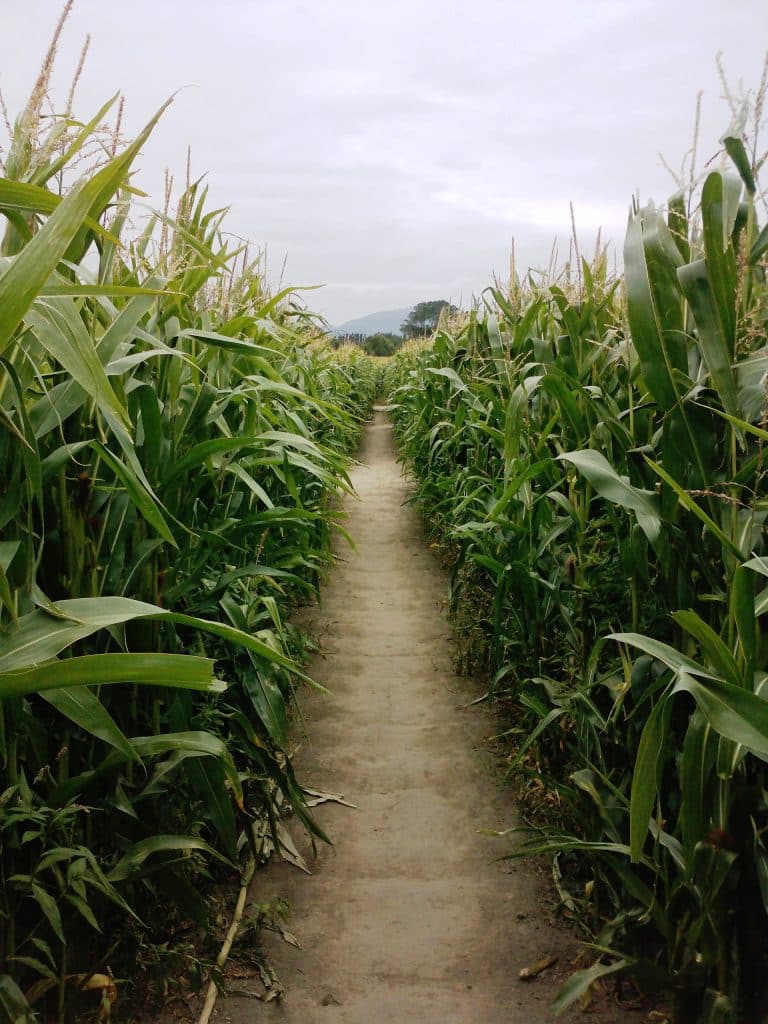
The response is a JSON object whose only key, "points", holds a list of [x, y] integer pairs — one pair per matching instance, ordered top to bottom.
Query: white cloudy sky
{"points": [[393, 150]]}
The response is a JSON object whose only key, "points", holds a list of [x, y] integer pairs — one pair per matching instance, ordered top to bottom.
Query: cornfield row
{"points": [[172, 441], [591, 453]]}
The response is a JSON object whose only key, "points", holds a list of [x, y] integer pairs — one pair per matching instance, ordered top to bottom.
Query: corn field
{"points": [[175, 437], [173, 440], [591, 455]]}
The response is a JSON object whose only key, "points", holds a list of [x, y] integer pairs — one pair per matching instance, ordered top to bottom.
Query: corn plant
{"points": [[172, 438], [591, 451]]}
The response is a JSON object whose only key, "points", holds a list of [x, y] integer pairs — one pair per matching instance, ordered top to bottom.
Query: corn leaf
{"points": [[617, 489]]}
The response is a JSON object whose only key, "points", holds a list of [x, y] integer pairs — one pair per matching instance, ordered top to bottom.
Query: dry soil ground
{"points": [[408, 917]]}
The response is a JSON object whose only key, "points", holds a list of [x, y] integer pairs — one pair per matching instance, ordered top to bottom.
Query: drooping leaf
{"points": [[617, 489], [184, 671], [132, 861], [581, 981]]}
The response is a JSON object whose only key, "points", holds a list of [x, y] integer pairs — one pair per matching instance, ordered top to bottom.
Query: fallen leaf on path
{"points": [[315, 797], [288, 849], [287, 936], [534, 970], [271, 983], [244, 993], [586, 998], [329, 999]]}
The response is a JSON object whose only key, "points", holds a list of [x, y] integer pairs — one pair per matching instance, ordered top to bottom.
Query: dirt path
{"points": [[407, 917]]}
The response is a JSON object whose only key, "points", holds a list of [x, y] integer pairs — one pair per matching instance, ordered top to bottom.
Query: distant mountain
{"points": [[386, 322]]}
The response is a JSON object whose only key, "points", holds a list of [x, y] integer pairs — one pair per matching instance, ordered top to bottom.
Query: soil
{"points": [[409, 916]]}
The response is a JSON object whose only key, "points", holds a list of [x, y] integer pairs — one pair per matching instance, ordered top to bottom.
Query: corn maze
{"points": [[175, 438]]}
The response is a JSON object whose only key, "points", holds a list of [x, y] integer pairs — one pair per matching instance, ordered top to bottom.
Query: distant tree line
{"points": [[423, 318], [420, 323], [380, 344]]}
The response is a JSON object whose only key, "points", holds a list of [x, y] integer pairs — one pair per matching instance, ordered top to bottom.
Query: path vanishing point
{"points": [[408, 917]]}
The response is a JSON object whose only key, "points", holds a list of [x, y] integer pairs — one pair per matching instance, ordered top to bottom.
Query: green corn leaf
{"points": [[733, 141], [26, 198], [720, 200], [677, 221], [759, 247], [210, 258], [29, 271], [82, 290], [124, 324], [59, 328], [715, 345], [243, 346], [661, 350], [450, 375], [564, 392], [513, 425], [152, 428], [747, 428], [289, 440], [206, 450], [235, 469], [515, 483], [617, 489], [140, 495], [688, 502], [8, 550], [758, 564], [742, 607], [41, 635], [235, 636], [715, 652], [667, 655], [182, 671], [269, 704], [81, 706], [732, 711], [541, 727], [192, 744], [180, 745], [695, 770], [207, 776], [645, 777], [133, 860], [50, 909], [83, 909], [36, 965], [581, 981], [13, 1003]]}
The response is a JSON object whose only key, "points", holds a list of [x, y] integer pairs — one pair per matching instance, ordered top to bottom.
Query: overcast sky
{"points": [[393, 150]]}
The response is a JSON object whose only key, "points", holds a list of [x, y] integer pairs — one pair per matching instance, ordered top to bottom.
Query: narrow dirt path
{"points": [[407, 917]]}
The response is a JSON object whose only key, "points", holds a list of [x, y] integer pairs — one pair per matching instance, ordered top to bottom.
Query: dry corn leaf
{"points": [[534, 970]]}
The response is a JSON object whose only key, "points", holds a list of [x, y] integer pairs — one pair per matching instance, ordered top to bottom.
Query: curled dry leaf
{"points": [[315, 797], [288, 849], [534, 970]]}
